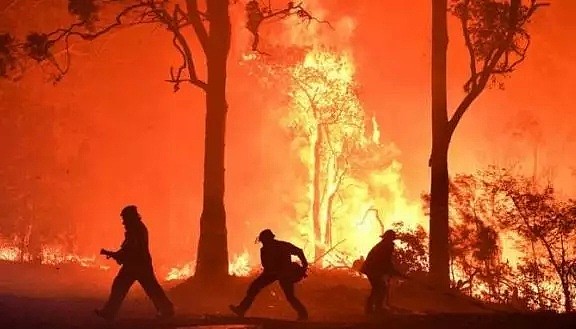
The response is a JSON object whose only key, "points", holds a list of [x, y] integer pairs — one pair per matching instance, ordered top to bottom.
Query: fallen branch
{"points": [[327, 252]]}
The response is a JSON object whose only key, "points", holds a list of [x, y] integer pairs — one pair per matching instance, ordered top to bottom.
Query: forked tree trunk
{"points": [[439, 255], [212, 259]]}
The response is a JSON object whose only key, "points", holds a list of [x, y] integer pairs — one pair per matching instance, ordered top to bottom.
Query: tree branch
{"points": [[255, 17], [196, 21], [60, 33], [180, 43], [492, 65], [471, 83]]}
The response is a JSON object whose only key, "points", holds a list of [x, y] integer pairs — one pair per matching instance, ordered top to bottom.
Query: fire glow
{"points": [[355, 188], [55, 255]]}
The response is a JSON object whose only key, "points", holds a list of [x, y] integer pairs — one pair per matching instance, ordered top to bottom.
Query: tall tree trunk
{"points": [[317, 194], [329, 207], [439, 255], [212, 260], [537, 278], [567, 294]]}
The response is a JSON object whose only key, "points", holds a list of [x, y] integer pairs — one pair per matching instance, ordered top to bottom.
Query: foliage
{"points": [[85, 10], [256, 14], [96, 18], [495, 35], [37, 46], [8, 59], [495, 204], [544, 223], [475, 247], [412, 254]]}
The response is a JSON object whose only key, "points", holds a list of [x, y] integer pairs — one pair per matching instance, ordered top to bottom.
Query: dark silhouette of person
{"points": [[134, 256], [277, 265], [378, 267]]}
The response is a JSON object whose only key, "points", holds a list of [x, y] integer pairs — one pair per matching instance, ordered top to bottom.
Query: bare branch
{"points": [[256, 16], [196, 21], [61, 33], [181, 44], [37, 46]]}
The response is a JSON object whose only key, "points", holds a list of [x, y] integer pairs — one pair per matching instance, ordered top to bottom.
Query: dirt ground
{"points": [[65, 297]]}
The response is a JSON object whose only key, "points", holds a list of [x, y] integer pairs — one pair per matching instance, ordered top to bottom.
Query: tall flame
{"points": [[355, 189]]}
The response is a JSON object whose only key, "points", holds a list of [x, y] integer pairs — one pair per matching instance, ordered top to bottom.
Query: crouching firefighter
{"points": [[134, 257], [277, 265], [378, 267]]}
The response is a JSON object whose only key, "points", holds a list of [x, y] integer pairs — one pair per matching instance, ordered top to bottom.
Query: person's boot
{"points": [[369, 308], [237, 310], [166, 314], [106, 315], [303, 317]]}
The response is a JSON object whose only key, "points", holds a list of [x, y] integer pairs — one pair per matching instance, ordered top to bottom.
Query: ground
{"points": [[33, 296]]}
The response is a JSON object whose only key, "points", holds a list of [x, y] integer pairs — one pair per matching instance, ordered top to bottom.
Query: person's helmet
{"points": [[130, 211], [389, 234], [266, 235]]}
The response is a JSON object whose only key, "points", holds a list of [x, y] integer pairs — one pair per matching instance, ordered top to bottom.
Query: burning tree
{"points": [[210, 27], [497, 41], [329, 116], [351, 175], [494, 205], [546, 225], [476, 246], [412, 254]]}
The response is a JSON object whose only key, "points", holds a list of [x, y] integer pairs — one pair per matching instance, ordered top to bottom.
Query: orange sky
{"points": [[144, 142]]}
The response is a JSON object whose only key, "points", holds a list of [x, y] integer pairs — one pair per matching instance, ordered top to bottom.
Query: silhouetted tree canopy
{"points": [[95, 18], [497, 41]]}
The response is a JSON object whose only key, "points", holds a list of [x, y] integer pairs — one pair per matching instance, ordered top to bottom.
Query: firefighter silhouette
{"points": [[275, 256], [136, 261], [378, 267]]}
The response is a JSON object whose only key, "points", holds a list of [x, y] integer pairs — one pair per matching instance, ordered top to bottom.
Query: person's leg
{"points": [[148, 281], [258, 284], [120, 288], [288, 288], [386, 292], [379, 293], [369, 306]]}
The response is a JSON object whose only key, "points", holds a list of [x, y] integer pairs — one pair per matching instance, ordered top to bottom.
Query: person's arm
{"points": [[125, 248], [300, 254]]}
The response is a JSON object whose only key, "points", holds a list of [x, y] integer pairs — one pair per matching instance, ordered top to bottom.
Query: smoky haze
{"points": [[112, 132]]}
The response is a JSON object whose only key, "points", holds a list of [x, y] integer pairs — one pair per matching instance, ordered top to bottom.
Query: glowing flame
{"points": [[375, 131], [355, 187], [9, 253], [48, 255], [54, 255], [240, 266], [181, 273]]}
